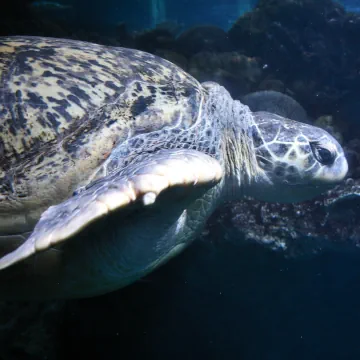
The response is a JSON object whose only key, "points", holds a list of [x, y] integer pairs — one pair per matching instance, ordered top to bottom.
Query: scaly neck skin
{"points": [[233, 120], [238, 155], [243, 176], [236, 180]]}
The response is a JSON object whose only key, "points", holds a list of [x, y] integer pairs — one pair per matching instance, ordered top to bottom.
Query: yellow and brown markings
{"points": [[65, 104]]}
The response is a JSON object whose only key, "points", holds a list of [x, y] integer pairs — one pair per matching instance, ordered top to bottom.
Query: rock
{"points": [[173, 27], [122, 35], [203, 38], [154, 39], [310, 45], [174, 57], [237, 72], [271, 83], [277, 103], [347, 114], [326, 122], [352, 151], [331, 221]]}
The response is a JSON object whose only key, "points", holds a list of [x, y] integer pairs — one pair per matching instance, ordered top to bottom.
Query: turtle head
{"points": [[295, 161]]}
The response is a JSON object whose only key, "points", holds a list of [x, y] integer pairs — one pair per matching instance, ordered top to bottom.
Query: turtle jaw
{"points": [[334, 174], [303, 184], [272, 188]]}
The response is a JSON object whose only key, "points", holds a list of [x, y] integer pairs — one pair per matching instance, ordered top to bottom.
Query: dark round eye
{"points": [[322, 154]]}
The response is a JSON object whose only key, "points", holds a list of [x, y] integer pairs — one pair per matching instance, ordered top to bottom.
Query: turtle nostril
{"points": [[279, 171]]}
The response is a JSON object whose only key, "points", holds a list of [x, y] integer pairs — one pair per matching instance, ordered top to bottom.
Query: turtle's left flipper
{"points": [[138, 183]]}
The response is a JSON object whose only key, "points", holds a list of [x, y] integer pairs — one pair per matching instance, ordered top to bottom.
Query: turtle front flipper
{"points": [[138, 184]]}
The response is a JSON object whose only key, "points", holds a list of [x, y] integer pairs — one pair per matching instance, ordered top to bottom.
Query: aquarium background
{"points": [[264, 281]]}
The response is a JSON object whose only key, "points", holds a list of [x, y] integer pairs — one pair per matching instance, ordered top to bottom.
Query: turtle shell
{"points": [[65, 105]]}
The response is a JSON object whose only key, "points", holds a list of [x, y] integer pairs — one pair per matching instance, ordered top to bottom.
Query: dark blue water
{"points": [[351, 5], [140, 14], [145, 14], [231, 302]]}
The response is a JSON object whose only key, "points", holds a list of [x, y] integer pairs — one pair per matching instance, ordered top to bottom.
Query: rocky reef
{"points": [[311, 46], [332, 221]]}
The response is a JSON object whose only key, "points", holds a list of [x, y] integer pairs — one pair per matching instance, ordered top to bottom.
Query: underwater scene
{"points": [[180, 179]]}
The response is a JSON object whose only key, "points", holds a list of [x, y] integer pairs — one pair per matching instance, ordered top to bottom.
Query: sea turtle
{"points": [[112, 160]]}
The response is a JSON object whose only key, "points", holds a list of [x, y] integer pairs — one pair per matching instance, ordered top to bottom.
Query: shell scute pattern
{"points": [[52, 83], [65, 105]]}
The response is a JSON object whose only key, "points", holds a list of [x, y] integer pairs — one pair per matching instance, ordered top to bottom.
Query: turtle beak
{"points": [[334, 173]]}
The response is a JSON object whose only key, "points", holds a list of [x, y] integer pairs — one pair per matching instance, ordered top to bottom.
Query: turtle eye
{"points": [[322, 154]]}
